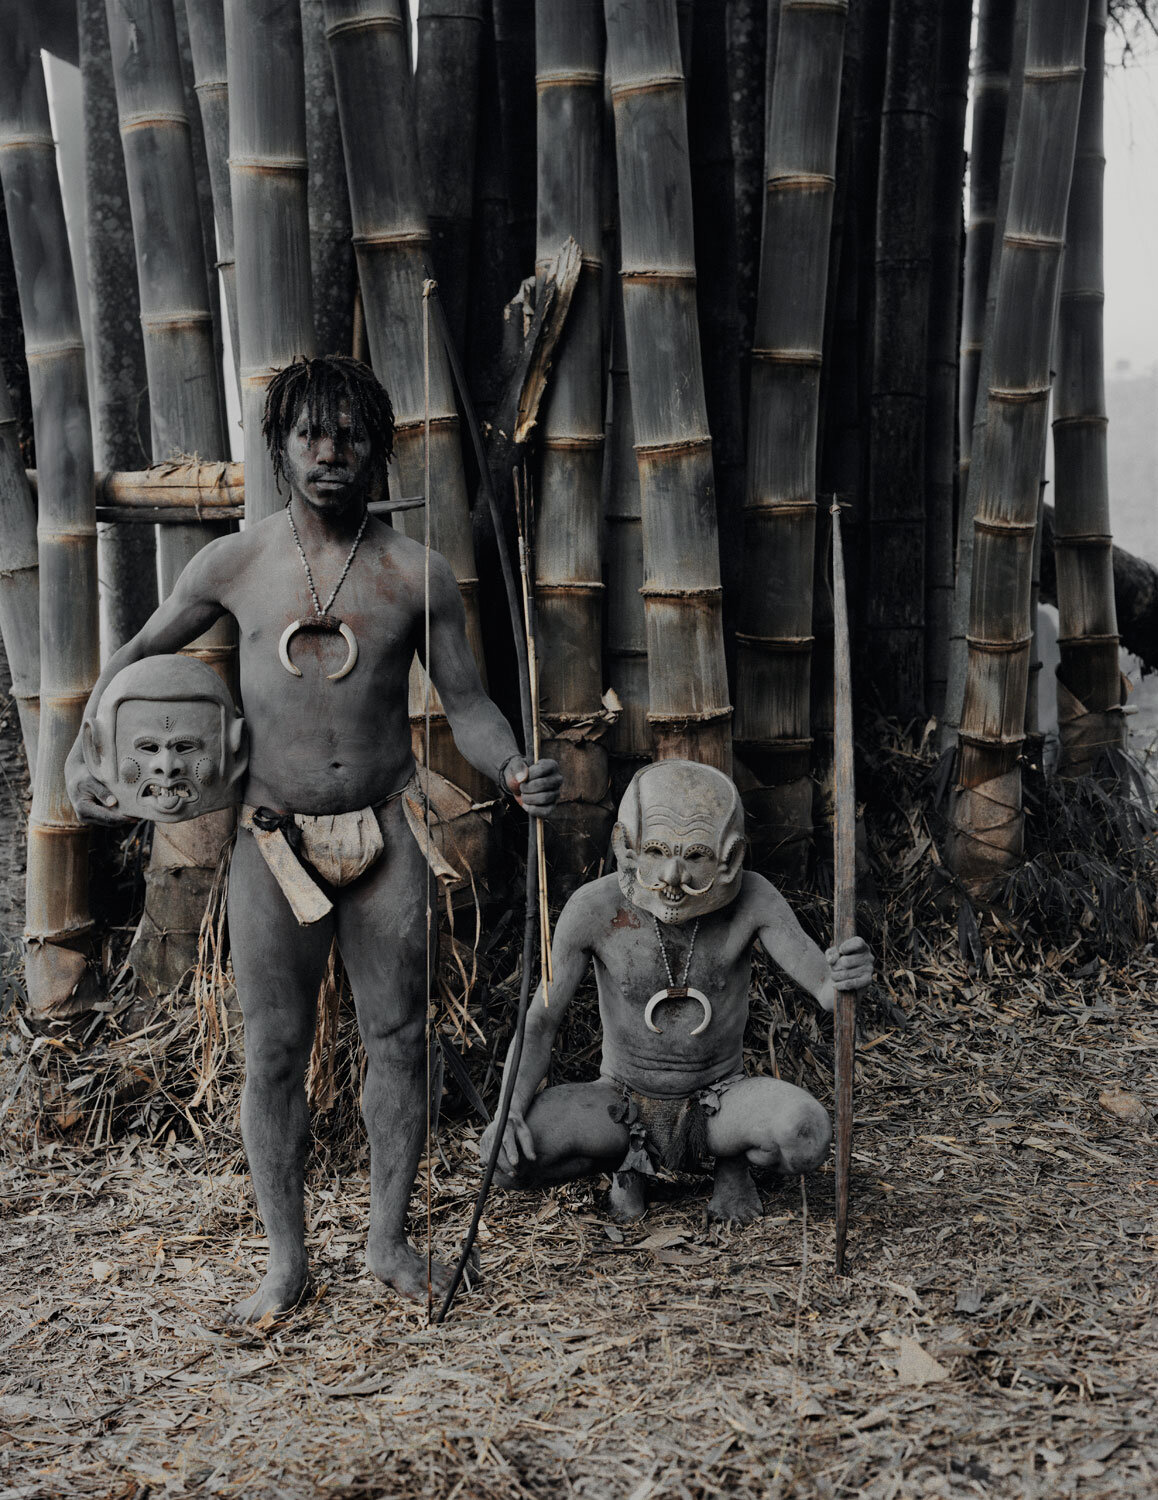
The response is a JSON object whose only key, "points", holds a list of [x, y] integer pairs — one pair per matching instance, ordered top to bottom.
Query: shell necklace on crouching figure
{"points": [[322, 619], [673, 991]]}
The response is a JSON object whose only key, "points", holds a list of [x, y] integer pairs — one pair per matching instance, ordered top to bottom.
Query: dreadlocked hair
{"points": [[323, 386]]}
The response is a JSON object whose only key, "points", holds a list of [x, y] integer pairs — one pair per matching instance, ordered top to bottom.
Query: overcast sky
{"points": [[1132, 212]]}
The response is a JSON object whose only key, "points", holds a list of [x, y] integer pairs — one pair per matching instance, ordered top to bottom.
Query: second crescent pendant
{"points": [[344, 631], [680, 993]]}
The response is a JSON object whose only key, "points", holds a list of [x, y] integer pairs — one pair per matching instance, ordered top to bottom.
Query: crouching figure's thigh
{"points": [[772, 1123]]}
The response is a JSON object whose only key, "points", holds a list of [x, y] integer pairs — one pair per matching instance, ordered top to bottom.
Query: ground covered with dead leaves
{"points": [[996, 1336]]}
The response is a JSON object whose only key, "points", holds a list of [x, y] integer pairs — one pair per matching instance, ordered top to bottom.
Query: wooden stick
{"points": [[844, 902]]}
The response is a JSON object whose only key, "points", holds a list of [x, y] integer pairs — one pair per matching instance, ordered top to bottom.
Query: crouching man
{"points": [[670, 935]]}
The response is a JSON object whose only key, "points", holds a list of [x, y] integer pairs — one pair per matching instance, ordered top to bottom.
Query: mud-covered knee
{"points": [[806, 1145]]}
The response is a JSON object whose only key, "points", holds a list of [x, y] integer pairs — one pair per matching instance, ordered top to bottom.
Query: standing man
{"points": [[329, 603]]}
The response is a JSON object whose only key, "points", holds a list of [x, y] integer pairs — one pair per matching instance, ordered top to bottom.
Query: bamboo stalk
{"points": [[206, 19], [748, 27], [514, 31], [371, 72], [991, 83], [447, 84], [202, 175], [267, 175], [716, 251], [332, 270], [493, 270], [941, 351], [187, 417], [970, 476], [896, 483], [568, 539], [126, 559], [19, 580], [774, 642], [626, 648], [1089, 676], [689, 713], [987, 814], [59, 980]]}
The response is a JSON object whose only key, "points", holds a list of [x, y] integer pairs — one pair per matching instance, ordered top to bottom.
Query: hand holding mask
{"points": [[167, 741]]}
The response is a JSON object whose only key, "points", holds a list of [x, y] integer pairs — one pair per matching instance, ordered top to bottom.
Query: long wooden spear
{"points": [[844, 896]]}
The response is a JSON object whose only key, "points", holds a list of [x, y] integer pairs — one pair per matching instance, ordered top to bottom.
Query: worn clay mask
{"points": [[167, 740], [679, 842]]}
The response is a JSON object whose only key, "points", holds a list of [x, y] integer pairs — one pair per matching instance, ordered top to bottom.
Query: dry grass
{"points": [[996, 1335]]}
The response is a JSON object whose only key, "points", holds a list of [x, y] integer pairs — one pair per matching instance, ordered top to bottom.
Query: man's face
{"points": [[331, 474], [168, 757], [690, 852]]}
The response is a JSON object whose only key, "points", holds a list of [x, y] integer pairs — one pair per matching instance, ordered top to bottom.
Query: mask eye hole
{"points": [[149, 746], [655, 849], [698, 853]]}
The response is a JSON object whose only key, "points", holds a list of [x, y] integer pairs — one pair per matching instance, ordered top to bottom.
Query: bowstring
{"points": [[428, 286]]}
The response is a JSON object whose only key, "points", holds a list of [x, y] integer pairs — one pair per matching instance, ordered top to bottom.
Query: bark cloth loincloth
{"points": [[337, 846], [670, 1133]]}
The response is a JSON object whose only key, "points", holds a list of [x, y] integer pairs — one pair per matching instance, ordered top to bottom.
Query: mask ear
{"points": [[91, 745], [238, 746], [620, 846], [733, 859]]}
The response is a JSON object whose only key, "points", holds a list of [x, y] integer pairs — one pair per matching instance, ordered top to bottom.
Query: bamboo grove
{"points": [[706, 262]]}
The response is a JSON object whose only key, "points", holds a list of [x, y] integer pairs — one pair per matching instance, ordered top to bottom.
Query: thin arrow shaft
{"points": [[844, 902]]}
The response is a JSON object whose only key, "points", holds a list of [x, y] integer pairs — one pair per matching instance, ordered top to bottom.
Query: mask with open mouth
{"points": [[167, 740], [679, 842]]}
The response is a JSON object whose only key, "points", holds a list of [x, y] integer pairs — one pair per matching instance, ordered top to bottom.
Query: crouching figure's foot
{"points": [[734, 1198], [627, 1200]]}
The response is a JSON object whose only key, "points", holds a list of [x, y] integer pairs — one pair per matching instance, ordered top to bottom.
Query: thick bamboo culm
{"points": [[206, 20], [514, 32], [450, 40], [747, 44], [990, 101], [267, 175], [391, 239], [331, 251], [941, 370], [185, 404], [970, 476], [568, 509], [126, 557], [568, 570], [19, 579], [895, 613], [774, 641], [1089, 675], [689, 712], [988, 818], [59, 978]]}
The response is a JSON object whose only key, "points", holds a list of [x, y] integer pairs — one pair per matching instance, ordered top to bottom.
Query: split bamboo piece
{"points": [[206, 19], [371, 72], [446, 83], [267, 174], [941, 351], [187, 417], [568, 535], [126, 558], [19, 580], [774, 641], [1089, 676], [689, 713], [988, 822], [59, 977]]}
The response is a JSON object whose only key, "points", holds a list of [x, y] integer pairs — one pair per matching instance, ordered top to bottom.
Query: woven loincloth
{"points": [[339, 847], [671, 1133]]}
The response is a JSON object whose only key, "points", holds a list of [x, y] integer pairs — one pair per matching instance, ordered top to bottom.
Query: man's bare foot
{"points": [[734, 1199], [627, 1200], [404, 1268], [278, 1292]]}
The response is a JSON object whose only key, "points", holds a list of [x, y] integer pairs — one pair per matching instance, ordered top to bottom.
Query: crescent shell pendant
{"points": [[344, 631], [664, 994]]}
